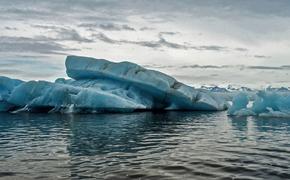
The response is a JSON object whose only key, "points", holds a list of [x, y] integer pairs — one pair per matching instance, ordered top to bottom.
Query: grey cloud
{"points": [[165, 8], [218, 8], [66, 11], [22, 13], [113, 15], [149, 17], [103, 18], [108, 26], [47, 27], [115, 27], [126, 27], [10, 28], [146, 29], [168, 33], [63, 34], [71, 35], [104, 38], [162, 42], [166, 43], [149, 44], [31, 45], [186, 45], [211, 48], [241, 49], [31, 56], [262, 56], [21, 61], [29, 67], [202, 67], [241, 67], [268, 67], [11, 71], [27, 73]]}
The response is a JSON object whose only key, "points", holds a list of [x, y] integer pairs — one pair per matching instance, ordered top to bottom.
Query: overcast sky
{"points": [[37, 35]]}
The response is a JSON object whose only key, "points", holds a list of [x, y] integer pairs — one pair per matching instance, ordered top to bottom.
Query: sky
{"points": [[193, 40]]}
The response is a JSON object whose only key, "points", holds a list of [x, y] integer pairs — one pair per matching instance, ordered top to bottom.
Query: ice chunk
{"points": [[6, 87], [46, 96], [239, 102], [266, 103]]}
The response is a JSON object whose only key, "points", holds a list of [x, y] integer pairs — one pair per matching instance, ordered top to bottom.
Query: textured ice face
{"points": [[101, 85], [6, 87], [165, 91], [60, 97], [239, 102], [266, 103]]}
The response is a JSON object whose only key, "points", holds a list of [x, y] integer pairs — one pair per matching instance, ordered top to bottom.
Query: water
{"points": [[172, 145]]}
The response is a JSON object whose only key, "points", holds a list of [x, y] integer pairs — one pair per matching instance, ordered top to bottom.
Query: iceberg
{"points": [[99, 85], [266, 103]]}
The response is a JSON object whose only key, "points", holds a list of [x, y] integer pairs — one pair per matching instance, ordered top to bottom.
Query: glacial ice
{"points": [[98, 85], [6, 87], [42, 96], [266, 103]]}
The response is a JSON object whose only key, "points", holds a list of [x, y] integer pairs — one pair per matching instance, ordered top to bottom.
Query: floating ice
{"points": [[99, 85], [6, 87], [46, 96], [239, 103], [266, 103]]}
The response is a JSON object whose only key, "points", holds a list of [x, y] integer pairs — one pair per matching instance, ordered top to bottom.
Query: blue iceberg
{"points": [[99, 85], [6, 87], [266, 103]]}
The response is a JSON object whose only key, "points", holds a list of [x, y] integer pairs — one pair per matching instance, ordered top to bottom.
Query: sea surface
{"points": [[144, 145]]}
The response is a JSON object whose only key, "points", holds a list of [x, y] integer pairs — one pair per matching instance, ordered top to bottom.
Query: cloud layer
{"points": [[174, 33]]}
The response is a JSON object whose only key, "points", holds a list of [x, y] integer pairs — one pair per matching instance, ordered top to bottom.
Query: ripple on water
{"points": [[172, 145]]}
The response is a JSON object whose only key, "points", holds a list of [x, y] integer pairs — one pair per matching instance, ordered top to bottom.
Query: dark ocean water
{"points": [[172, 145]]}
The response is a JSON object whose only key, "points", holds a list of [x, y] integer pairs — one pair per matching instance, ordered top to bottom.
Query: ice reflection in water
{"points": [[172, 145]]}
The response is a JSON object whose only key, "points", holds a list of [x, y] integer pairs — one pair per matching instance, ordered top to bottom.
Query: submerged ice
{"points": [[98, 85]]}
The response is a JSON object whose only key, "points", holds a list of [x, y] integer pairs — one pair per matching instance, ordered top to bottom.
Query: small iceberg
{"points": [[99, 85], [266, 103]]}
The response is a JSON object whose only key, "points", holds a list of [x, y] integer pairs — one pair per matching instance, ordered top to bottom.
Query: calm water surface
{"points": [[172, 145]]}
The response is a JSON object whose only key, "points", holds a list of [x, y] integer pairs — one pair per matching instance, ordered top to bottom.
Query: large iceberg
{"points": [[98, 85]]}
